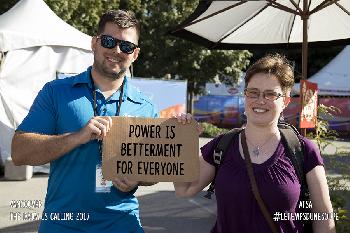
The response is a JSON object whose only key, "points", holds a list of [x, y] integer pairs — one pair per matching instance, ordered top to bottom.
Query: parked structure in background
{"points": [[224, 106]]}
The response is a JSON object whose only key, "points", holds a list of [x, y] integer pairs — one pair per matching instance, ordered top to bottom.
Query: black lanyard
{"points": [[94, 96], [95, 107]]}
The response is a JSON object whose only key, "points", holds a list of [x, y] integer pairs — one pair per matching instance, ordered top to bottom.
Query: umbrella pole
{"points": [[304, 51]]}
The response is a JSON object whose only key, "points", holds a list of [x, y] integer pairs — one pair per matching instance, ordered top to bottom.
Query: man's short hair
{"points": [[122, 18]]}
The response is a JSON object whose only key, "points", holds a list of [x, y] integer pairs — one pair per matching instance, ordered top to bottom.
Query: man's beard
{"points": [[108, 73], [118, 75]]}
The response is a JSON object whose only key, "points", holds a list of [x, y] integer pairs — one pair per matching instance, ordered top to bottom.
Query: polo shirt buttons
{"points": [[104, 111]]}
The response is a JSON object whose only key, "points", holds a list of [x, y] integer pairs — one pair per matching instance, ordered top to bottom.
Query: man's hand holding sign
{"points": [[150, 150]]}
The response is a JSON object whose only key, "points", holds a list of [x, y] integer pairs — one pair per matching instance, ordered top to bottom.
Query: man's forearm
{"points": [[36, 149]]}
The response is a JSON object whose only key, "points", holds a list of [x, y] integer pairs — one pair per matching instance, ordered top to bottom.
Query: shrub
{"points": [[211, 131], [339, 192]]}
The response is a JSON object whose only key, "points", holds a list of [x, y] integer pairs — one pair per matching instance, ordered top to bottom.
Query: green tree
{"points": [[5, 5], [82, 14], [157, 18], [161, 54]]}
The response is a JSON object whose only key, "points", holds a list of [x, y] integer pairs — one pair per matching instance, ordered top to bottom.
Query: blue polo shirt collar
{"points": [[83, 78], [129, 91]]}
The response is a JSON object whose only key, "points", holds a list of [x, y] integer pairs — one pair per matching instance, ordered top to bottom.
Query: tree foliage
{"points": [[5, 5], [161, 54], [323, 133]]}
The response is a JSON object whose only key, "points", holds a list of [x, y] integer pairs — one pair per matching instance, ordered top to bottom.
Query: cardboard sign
{"points": [[308, 114], [152, 150]]}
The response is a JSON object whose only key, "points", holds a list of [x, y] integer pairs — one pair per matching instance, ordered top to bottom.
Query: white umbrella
{"points": [[250, 24]]}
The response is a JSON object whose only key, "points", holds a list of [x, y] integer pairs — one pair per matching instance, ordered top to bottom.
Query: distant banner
{"points": [[168, 95], [308, 115]]}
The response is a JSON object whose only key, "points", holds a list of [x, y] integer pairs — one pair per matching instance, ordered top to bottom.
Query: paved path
{"points": [[161, 211]]}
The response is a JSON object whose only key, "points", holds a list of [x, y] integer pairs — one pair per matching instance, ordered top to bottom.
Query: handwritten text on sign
{"points": [[147, 149]]}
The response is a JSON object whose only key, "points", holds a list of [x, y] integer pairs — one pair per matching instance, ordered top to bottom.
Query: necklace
{"points": [[257, 149]]}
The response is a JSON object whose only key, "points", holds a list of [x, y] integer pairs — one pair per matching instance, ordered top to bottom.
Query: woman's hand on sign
{"points": [[186, 118], [96, 128], [124, 184]]}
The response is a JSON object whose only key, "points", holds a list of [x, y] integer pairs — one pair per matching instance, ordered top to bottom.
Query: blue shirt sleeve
{"points": [[42, 115]]}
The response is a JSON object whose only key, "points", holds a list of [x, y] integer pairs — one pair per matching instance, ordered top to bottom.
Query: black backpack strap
{"points": [[295, 146], [219, 154]]}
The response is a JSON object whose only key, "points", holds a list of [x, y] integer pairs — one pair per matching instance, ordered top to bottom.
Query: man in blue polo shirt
{"points": [[66, 124]]}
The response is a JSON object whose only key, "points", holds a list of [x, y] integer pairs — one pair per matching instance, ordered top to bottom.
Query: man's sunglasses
{"points": [[110, 42], [255, 94]]}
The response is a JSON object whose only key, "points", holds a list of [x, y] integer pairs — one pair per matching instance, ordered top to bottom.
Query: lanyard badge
{"points": [[103, 185]]}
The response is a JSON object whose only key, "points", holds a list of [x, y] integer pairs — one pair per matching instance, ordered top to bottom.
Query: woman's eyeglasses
{"points": [[110, 42], [255, 94]]}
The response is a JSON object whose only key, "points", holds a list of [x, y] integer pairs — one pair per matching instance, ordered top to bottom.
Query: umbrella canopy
{"points": [[251, 24]]}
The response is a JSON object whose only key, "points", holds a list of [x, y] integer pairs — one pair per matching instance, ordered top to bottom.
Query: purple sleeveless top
{"points": [[237, 209]]}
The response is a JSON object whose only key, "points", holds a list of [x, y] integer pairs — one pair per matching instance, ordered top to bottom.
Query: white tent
{"points": [[35, 45], [334, 78]]}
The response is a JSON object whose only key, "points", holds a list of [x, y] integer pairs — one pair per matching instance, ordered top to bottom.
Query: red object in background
{"points": [[308, 94], [172, 111], [340, 120]]}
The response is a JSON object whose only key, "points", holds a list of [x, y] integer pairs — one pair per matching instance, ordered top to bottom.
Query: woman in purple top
{"points": [[268, 83]]}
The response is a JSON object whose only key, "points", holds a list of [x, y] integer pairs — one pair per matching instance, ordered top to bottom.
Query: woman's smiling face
{"points": [[261, 111]]}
